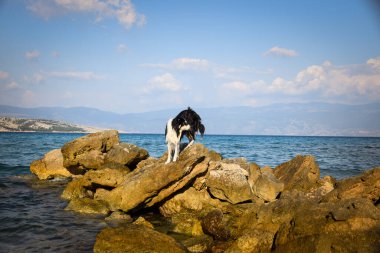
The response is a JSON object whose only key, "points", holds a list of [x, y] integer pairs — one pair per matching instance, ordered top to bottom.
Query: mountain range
{"points": [[306, 119]]}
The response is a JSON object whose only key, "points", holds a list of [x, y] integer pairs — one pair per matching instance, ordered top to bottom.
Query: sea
{"points": [[32, 215]]}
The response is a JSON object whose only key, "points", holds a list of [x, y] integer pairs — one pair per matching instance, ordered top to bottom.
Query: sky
{"points": [[135, 56]]}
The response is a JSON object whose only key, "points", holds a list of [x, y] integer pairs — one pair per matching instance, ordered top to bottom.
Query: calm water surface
{"points": [[32, 215]]}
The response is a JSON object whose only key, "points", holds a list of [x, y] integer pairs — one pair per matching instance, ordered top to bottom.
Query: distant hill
{"points": [[313, 119], [8, 124]]}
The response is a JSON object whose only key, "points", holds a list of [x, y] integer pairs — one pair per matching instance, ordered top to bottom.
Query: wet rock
{"points": [[88, 152], [126, 154], [50, 166], [300, 173], [156, 182], [229, 182], [88, 206], [118, 217], [143, 222], [187, 223], [214, 225], [135, 238], [252, 241], [198, 244]]}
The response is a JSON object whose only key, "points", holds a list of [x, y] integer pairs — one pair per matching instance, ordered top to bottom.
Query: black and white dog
{"points": [[186, 123]]}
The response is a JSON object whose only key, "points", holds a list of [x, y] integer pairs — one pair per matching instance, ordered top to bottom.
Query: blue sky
{"points": [[133, 56]]}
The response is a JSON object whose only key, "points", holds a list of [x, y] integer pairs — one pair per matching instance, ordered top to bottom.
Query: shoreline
{"points": [[238, 135]]}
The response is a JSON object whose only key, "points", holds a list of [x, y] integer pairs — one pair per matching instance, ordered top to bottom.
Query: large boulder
{"points": [[88, 152], [126, 154], [50, 166], [300, 173], [157, 181], [229, 182], [267, 187], [190, 200], [135, 238]]}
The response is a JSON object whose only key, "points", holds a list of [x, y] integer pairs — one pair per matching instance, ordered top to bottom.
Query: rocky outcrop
{"points": [[88, 152], [50, 166], [156, 182], [217, 205]]}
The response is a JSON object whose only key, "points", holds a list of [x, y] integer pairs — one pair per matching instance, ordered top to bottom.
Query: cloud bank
{"points": [[121, 10]]}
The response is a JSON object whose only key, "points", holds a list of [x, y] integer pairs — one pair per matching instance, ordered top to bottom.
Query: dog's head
{"points": [[182, 124]]}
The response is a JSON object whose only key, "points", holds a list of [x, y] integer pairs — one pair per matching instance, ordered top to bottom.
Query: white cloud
{"points": [[122, 10], [121, 48], [282, 52], [30, 55], [190, 63], [375, 63], [182, 64], [4, 74], [75, 75], [323, 81], [165, 82], [12, 85]]}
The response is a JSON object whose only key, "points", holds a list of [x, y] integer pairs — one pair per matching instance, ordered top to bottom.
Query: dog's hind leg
{"points": [[170, 150]]}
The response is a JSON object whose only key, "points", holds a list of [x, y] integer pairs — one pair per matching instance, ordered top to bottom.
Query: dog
{"points": [[188, 123]]}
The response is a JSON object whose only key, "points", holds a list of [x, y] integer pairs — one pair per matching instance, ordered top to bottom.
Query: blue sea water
{"points": [[32, 215]]}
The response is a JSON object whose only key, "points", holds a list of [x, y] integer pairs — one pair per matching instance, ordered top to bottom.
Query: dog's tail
{"points": [[202, 129]]}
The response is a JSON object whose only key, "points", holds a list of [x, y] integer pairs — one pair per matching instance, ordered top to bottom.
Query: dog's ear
{"points": [[181, 121], [202, 129]]}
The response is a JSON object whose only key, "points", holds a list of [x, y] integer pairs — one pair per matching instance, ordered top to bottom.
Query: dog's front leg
{"points": [[176, 152], [169, 154]]}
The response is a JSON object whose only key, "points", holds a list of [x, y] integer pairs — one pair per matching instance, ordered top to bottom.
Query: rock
{"points": [[88, 152], [126, 154], [241, 161], [50, 166], [301, 173], [253, 174], [93, 180], [156, 182], [229, 182], [325, 185], [366, 185], [267, 187], [74, 190], [190, 200], [88, 206], [119, 216], [142, 221], [187, 223], [213, 224], [301, 224], [350, 225], [135, 238], [252, 241], [198, 244]]}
